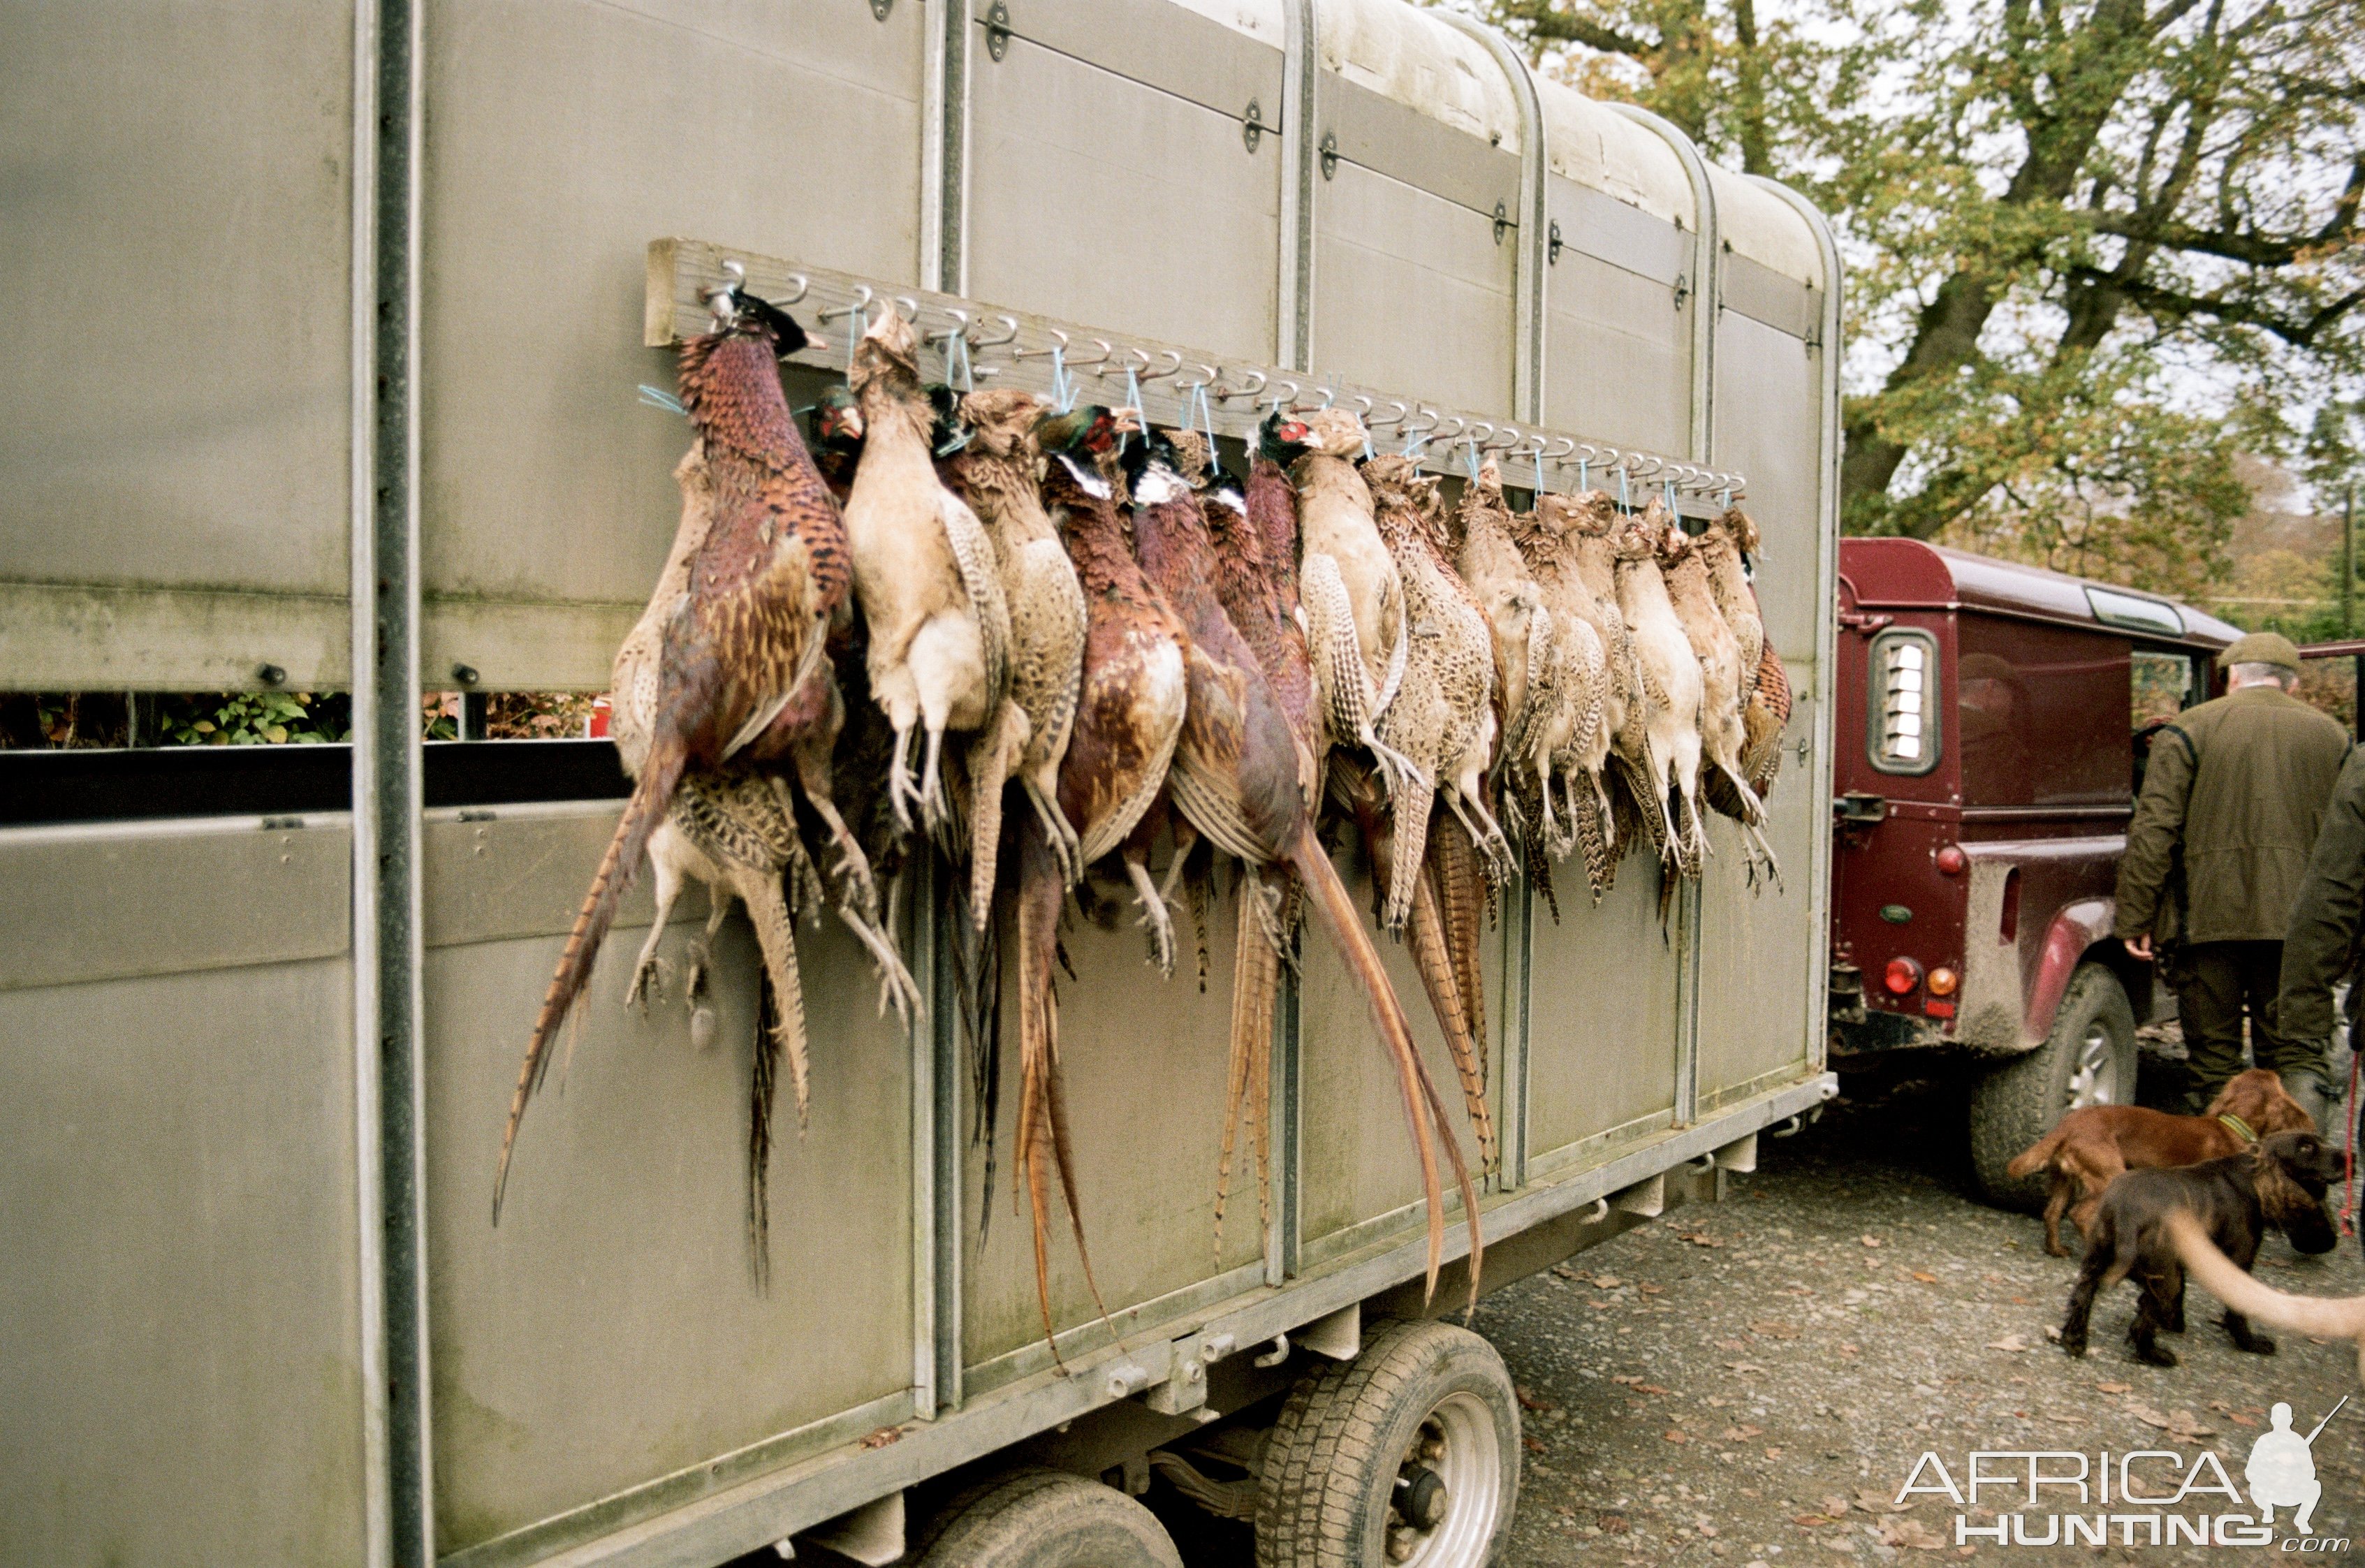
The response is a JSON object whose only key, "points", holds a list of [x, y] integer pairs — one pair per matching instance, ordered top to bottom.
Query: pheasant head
{"points": [[887, 357], [1001, 420], [1335, 432], [1282, 439], [1187, 452], [1739, 527]]}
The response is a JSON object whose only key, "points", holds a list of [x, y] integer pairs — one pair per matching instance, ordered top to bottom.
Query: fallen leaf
{"points": [[1869, 1240], [1565, 1272], [1925, 1278], [1607, 1281], [1651, 1290], [1774, 1328], [2009, 1342], [1732, 1345], [1847, 1350], [1745, 1368], [1629, 1379], [2112, 1387], [1649, 1388], [1528, 1399], [2240, 1421], [1742, 1434], [1674, 1435], [881, 1437], [1532, 1445], [1774, 1453], [1875, 1503], [1835, 1505], [1809, 1521], [1612, 1524], [1709, 1530], [1913, 1533]]}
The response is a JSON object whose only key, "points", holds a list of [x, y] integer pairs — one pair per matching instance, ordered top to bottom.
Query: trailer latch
{"points": [[997, 29], [1863, 620], [1861, 808]]}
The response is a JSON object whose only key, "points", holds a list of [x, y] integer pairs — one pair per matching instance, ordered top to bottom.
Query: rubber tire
{"points": [[2017, 1103], [1330, 1465], [1044, 1519]]}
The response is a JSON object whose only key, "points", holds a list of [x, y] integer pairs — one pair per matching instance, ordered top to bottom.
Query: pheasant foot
{"points": [[899, 780], [1067, 849], [1155, 919], [650, 975], [896, 987]]}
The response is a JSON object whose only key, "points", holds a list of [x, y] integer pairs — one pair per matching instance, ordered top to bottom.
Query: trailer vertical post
{"points": [[1294, 301], [1706, 302], [386, 793], [1819, 868]]}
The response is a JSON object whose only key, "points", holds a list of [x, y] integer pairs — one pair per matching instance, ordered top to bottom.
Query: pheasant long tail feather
{"points": [[980, 575], [990, 757], [660, 775], [1413, 815], [1593, 837], [1462, 892], [767, 910], [1432, 955], [1255, 981], [763, 1079], [1424, 1108]]}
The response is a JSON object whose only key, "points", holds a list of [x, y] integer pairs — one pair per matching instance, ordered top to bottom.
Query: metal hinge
{"points": [[879, 8], [997, 29], [1252, 125], [1329, 153], [1502, 221], [1552, 256], [1683, 287]]}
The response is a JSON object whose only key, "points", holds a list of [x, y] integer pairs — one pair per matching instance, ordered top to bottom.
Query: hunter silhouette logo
{"points": [[2281, 1472], [2019, 1497]]}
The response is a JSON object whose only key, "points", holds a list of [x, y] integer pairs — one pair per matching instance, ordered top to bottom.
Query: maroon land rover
{"points": [[1992, 722]]}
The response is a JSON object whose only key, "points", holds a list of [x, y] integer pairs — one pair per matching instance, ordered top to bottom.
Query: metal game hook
{"points": [[907, 308], [1009, 334], [1228, 393], [1392, 419]]}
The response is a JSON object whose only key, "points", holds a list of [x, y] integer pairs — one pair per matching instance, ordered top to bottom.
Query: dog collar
{"points": [[2240, 1128]]}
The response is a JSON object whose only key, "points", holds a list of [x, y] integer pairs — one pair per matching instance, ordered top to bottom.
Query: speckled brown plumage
{"points": [[743, 627], [1670, 670], [1443, 720]]}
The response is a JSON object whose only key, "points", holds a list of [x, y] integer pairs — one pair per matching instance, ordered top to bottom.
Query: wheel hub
{"points": [[2093, 1076], [1449, 1488]]}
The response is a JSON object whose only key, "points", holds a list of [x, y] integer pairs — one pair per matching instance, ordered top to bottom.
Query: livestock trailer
{"points": [[328, 329], [1994, 719]]}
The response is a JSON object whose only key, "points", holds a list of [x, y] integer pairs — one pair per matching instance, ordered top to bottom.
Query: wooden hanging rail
{"points": [[1012, 348]]}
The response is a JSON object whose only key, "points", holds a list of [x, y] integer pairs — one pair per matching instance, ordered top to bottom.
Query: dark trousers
{"points": [[2216, 982]]}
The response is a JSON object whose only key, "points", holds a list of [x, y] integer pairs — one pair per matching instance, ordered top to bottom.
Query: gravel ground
{"points": [[1751, 1382]]}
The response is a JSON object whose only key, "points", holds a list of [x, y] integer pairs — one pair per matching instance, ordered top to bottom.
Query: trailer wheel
{"points": [[2088, 1059], [1409, 1454], [1044, 1519]]}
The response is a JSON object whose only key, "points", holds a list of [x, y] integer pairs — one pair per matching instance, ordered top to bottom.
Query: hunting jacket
{"points": [[2231, 804], [2321, 944]]}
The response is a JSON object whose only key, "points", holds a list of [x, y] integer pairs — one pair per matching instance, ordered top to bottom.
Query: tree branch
{"points": [[2174, 302]]}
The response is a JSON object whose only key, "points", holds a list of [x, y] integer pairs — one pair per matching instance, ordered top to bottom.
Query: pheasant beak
{"points": [[1125, 421]]}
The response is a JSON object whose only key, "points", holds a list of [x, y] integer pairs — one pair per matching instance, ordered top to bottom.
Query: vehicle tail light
{"points": [[1904, 717], [1951, 860], [1902, 976], [1943, 981], [1938, 1009]]}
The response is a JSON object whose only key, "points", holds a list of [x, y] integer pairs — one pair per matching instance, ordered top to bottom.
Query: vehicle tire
{"points": [[2088, 1059], [1335, 1490], [1044, 1519]]}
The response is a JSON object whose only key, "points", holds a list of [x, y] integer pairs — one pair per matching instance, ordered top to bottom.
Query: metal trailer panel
{"points": [[558, 140], [1110, 180], [1407, 210], [172, 393], [1759, 951], [1603, 987], [1144, 1061], [177, 1167], [1359, 1178], [605, 1348]]}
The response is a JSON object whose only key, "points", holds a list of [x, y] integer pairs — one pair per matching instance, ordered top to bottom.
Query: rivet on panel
{"points": [[879, 8], [997, 29], [1252, 125], [270, 675]]}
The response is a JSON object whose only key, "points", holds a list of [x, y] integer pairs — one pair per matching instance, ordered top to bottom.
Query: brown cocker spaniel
{"points": [[2089, 1148], [2277, 1183]]}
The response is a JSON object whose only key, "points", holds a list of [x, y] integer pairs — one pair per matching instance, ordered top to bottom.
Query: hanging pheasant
{"points": [[1001, 469], [1728, 546], [758, 569], [926, 575], [1356, 634], [1671, 685], [1723, 694], [1443, 720]]}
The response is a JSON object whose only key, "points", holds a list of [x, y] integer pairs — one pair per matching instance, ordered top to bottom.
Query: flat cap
{"points": [[2262, 648]]}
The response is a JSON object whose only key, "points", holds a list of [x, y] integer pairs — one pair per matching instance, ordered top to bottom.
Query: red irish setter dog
{"points": [[2089, 1146]]}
